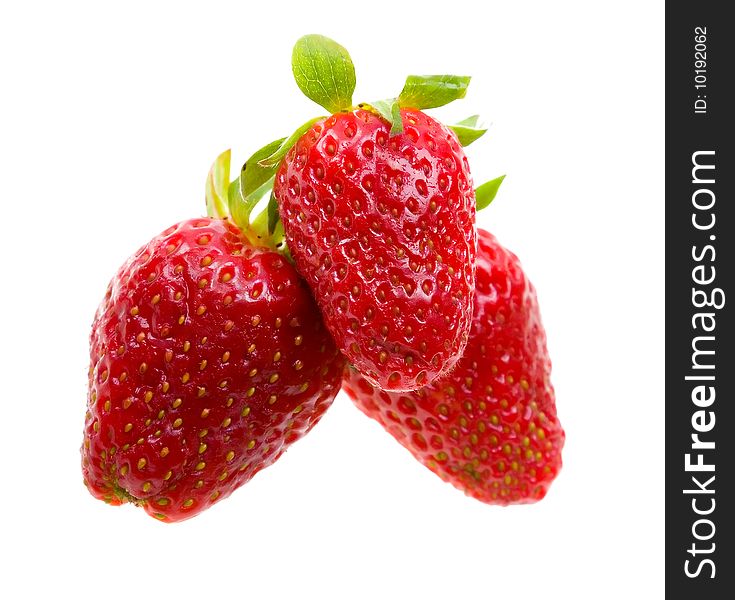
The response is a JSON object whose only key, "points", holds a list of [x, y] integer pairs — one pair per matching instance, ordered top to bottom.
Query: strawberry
{"points": [[378, 210], [382, 229], [208, 359], [489, 427]]}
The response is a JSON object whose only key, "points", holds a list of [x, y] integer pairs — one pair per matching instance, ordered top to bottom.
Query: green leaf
{"points": [[324, 72], [431, 91], [391, 112], [470, 121], [467, 130], [467, 135], [273, 159], [253, 175], [216, 186], [245, 192], [485, 193], [241, 207], [273, 215], [259, 225]]}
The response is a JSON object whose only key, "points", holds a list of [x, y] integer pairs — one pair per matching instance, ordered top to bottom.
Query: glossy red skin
{"points": [[383, 230], [147, 346], [479, 428]]}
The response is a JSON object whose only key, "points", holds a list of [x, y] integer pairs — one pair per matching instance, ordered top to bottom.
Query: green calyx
{"points": [[324, 72], [432, 91], [422, 92], [390, 110], [468, 130], [272, 160], [217, 184], [485, 193], [236, 199]]}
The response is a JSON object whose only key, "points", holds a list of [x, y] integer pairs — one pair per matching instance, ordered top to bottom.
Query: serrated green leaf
{"points": [[324, 72], [431, 91], [391, 112], [467, 130], [272, 160], [253, 175], [216, 187], [485, 193]]}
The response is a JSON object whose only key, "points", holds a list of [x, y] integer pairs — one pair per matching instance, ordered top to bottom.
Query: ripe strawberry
{"points": [[382, 227], [208, 359], [490, 426]]}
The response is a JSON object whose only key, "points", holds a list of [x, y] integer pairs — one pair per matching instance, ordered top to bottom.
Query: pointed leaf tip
{"points": [[324, 72], [470, 121], [467, 130], [272, 160], [253, 174], [486, 193]]}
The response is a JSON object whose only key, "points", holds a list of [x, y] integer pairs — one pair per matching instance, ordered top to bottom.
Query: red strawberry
{"points": [[382, 227], [208, 359], [490, 426]]}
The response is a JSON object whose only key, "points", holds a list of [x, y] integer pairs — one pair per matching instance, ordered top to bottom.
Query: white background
{"points": [[110, 115]]}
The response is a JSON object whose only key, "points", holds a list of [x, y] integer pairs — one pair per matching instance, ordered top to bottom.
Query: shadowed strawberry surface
{"points": [[383, 229], [208, 359], [490, 427]]}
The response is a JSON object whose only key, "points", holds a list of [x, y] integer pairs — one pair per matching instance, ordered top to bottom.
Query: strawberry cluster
{"points": [[225, 339]]}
